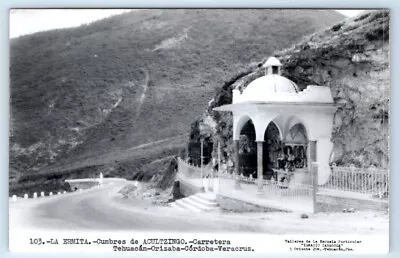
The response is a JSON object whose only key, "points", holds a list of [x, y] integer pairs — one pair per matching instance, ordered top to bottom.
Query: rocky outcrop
{"points": [[352, 58]]}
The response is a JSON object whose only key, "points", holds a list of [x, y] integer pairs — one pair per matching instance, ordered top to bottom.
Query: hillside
{"points": [[352, 58], [133, 78]]}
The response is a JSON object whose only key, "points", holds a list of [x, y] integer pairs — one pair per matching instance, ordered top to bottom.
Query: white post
{"points": [[219, 158], [201, 163], [260, 169], [236, 172], [314, 173], [101, 178], [217, 178], [64, 192], [51, 193], [58, 193], [41, 194], [35, 195], [26, 196], [14, 198]]}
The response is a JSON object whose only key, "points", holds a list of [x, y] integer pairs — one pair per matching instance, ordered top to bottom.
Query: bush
{"points": [[337, 27]]}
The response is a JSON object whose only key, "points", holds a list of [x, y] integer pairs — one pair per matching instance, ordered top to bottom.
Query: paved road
{"points": [[104, 209]]}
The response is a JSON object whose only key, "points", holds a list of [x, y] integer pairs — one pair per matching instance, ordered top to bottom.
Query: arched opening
{"points": [[272, 147], [295, 147], [248, 150], [289, 153]]}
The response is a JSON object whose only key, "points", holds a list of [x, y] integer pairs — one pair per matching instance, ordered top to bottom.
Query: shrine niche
{"points": [[276, 126]]}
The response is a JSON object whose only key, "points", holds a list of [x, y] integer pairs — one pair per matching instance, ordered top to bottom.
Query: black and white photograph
{"points": [[199, 130]]}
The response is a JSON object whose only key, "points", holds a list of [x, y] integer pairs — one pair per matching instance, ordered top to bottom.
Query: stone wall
{"points": [[83, 185], [187, 189], [230, 204]]}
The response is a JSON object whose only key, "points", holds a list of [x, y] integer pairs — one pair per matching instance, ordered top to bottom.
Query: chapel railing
{"points": [[372, 180]]}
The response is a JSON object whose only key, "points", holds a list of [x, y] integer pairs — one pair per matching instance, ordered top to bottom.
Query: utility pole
{"points": [[201, 157], [219, 158]]}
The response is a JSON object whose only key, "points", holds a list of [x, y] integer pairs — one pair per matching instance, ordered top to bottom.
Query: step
{"points": [[207, 196], [203, 201], [206, 202], [193, 203], [197, 203]]}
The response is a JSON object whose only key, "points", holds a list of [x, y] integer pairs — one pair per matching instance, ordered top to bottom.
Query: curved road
{"points": [[104, 209]]}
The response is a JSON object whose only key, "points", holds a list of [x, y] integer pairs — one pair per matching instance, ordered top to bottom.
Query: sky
{"points": [[350, 13], [28, 21]]}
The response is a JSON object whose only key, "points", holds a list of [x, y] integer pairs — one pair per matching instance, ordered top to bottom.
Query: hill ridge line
{"points": [[62, 168]]}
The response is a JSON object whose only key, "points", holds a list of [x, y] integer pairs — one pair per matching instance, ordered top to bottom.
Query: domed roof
{"points": [[270, 84], [273, 88]]}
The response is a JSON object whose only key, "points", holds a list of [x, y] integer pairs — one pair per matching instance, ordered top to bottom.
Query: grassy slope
{"points": [[352, 58], [75, 93]]}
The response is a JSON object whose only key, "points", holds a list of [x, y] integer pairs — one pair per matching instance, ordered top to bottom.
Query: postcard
{"points": [[199, 131]]}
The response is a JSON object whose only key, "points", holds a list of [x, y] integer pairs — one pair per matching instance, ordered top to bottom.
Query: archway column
{"points": [[324, 148], [312, 153], [311, 158], [237, 165], [260, 179]]}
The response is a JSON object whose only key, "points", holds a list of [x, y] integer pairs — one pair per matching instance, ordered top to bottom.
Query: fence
{"points": [[189, 171], [199, 176], [372, 180], [98, 182], [285, 191], [292, 191], [35, 195]]}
